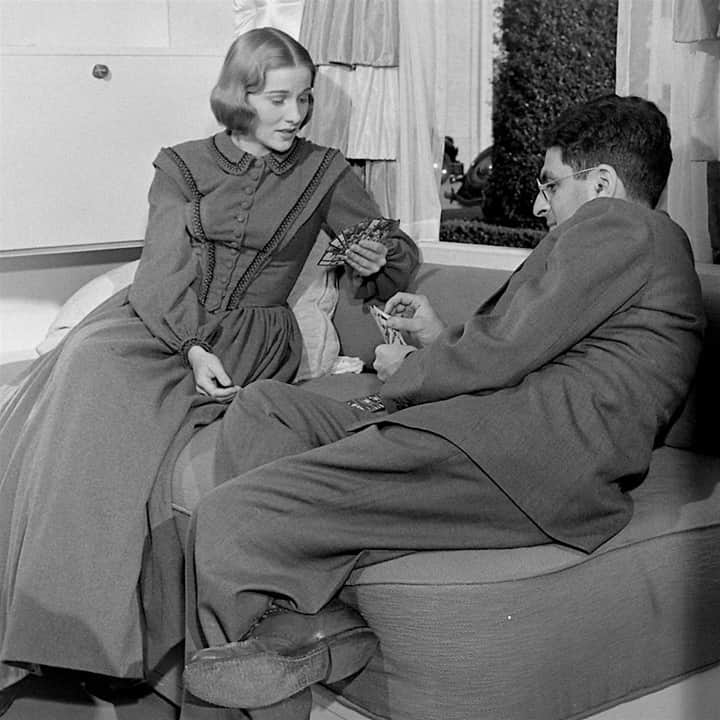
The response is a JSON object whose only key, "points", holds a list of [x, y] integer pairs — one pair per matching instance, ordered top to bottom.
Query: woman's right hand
{"points": [[210, 376]]}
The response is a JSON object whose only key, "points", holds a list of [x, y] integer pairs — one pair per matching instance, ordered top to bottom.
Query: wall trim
{"points": [[488, 256]]}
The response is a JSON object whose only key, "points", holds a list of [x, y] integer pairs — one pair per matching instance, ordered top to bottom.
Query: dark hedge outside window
{"points": [[551, 54]]}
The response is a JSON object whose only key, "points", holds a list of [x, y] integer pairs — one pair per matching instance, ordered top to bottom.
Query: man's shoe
{"points": [[283, 654], [117, 691]]}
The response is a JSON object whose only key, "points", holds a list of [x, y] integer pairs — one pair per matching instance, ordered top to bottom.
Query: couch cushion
{"points": [[454, 291], [696, 426], [549, 632]]}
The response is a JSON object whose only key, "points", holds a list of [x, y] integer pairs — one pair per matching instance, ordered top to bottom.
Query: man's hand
{"points": [[366, 257], [414, 314], [388, 358], [210, 376]]}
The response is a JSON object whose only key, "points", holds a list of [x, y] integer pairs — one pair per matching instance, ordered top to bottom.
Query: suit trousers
{"points": [[302, 501]]}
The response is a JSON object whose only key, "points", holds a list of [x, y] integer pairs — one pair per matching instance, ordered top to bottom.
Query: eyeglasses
{"points": [[547, 189]]}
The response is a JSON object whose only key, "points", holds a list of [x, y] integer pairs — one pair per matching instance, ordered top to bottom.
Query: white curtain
{"points": [[284, 15], [669, 52], [423, 110], [418, 121]]}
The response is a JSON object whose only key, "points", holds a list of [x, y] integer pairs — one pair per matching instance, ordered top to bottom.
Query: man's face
{"points": [[564, 190]]}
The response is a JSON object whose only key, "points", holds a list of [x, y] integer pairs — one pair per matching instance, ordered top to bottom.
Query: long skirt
{"points": [[90, 565]]}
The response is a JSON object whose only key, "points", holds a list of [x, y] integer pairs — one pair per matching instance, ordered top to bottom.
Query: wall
{"points": [[42, 229], [33, 287]]}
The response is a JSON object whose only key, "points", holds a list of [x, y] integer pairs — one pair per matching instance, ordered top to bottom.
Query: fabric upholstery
{"points": [[455, 292], [696, 426], [543, 632], [548, 632]]}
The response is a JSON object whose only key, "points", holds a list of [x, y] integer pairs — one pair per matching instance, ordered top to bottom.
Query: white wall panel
{"points": [[79, 23], [77, 160]]}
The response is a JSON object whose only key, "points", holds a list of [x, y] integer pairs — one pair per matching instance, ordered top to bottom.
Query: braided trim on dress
{"points": [[241, 166], [281, 166], [234, 168], [197, 195], [198, 228], [262, 257], [209, 275]]}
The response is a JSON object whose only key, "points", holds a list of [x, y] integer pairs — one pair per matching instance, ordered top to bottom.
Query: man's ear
{"points": [[606, 182]]}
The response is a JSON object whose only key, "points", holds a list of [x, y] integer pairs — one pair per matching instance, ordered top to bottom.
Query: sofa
{"points": [[544, 632], [528, 633]]}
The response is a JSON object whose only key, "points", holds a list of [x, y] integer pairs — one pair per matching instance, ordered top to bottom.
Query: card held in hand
{"points": [[376, 229], [334, 255], [390, 335]]}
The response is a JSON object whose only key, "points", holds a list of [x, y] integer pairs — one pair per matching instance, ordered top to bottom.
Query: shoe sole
{"points": [[266, 678]]}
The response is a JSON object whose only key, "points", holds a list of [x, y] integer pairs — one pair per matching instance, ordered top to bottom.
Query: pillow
{"points": [[87, 298], [312, 300]]}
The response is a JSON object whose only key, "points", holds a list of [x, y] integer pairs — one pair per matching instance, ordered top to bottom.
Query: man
{"points": [[526, 425]]}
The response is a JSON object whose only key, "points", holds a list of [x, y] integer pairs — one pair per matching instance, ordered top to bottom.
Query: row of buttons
{"points": [[253, 174], [224, 268]]}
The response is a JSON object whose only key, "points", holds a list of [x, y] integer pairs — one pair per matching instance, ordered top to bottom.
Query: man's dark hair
{"points": [[629, 133]]}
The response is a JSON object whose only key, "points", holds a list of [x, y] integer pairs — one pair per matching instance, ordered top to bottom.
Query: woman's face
{"points": [[281, 107]]}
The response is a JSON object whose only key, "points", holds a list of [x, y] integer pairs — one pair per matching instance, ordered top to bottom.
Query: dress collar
{"points": [[236, 161]]}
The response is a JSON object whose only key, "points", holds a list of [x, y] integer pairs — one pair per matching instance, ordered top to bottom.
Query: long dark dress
{"points": [[89, 437]]}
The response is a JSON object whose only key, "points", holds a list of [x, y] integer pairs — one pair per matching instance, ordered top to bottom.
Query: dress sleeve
{"points": [[349, 203], [597, 265], [162, 293]]}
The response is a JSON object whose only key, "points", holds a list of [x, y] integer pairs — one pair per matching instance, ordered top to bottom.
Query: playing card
{"points": [[374, 229], [332, 257], [390, 335]]}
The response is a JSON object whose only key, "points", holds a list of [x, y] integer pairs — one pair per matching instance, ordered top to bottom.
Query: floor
{"points": [[60, 697], [697, 698]]}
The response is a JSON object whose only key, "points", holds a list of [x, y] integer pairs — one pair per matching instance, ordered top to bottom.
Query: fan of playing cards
{"points": [[375, 229], [390, 335]]}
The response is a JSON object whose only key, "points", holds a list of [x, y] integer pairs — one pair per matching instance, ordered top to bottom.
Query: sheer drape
{"points": [[284, 15], [669, 52], [423, 109], [390, 115]]}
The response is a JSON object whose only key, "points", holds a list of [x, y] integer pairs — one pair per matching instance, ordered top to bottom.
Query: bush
{"points": [[553, 54], [474, 231]]}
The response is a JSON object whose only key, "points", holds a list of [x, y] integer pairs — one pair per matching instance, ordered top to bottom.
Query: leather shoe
{"points": [[280, 656], [114, 690]]}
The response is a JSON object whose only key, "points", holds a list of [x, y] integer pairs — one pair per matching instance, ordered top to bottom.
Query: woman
{"points": [[88, 441]]}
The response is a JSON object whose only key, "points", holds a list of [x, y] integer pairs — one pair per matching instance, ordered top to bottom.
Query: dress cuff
{"points": [[192, 342]]}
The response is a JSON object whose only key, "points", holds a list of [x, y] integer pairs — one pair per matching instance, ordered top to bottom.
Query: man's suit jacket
{"points": [[559, 386]]}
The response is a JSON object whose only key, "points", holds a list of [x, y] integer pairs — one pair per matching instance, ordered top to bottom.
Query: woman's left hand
{"points": [[366, 257]]}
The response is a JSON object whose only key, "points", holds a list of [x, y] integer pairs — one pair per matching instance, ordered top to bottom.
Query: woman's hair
{"points": [[246, 63], [630, 133]]}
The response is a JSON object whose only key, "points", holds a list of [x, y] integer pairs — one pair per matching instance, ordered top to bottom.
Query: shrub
{"points": [[552, 54], [474, 231]]}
